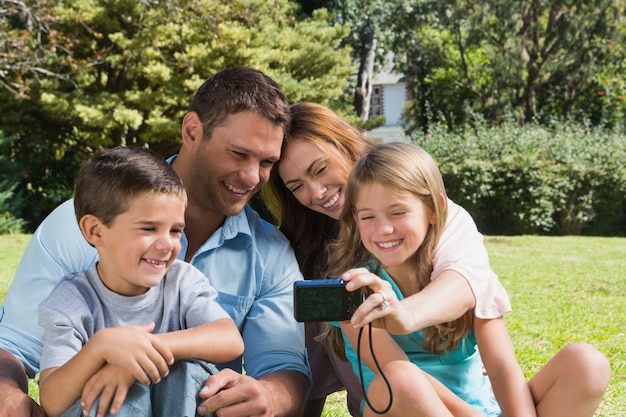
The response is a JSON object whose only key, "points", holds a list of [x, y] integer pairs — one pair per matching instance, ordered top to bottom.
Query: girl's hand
{"points": [[381, 307]]}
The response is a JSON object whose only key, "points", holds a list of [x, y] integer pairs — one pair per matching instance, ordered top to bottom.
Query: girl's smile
{"points": [[392, 224]]}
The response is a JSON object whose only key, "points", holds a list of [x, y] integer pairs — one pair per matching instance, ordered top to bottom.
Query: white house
{"points": [[388, 99]]}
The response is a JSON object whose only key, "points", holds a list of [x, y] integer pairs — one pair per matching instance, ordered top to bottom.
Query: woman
{"points": [[316, 126]]}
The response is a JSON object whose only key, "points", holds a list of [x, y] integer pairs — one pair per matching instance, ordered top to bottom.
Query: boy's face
{"points": [[139, 246]]}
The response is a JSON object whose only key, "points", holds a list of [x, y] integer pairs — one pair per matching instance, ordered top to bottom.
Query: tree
{"points": [[368, 40], [535, 58], [122, 72]]}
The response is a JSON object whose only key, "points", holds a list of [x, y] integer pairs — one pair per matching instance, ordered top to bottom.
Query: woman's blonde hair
{"points": [[405, 169]]}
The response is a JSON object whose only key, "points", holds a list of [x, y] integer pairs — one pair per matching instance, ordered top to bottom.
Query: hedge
{"points": [[563, 179]]}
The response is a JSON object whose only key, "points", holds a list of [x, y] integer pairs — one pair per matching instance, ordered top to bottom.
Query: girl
{"points": [[392, 222]]}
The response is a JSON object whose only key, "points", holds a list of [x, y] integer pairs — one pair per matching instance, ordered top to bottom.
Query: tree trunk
{"points": [[363, 94]]}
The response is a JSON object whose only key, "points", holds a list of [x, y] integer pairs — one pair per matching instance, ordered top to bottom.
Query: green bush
{"points": [[38, 177], [563, 179], [9, 202], [8, 222]]}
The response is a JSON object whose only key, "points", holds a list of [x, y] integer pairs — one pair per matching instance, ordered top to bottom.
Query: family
{"points": [[158, 291]]}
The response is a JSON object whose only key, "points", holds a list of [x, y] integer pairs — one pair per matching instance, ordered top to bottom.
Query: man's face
{"points": [[227, 169]]}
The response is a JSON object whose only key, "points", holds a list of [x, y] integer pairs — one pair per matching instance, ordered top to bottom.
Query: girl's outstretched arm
{"points": [[444, 299]]}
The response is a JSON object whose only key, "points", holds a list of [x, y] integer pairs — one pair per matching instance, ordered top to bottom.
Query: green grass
{"points": [[563, 289]]}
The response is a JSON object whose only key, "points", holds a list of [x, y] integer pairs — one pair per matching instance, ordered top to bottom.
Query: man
{"points": [[232, 135]]}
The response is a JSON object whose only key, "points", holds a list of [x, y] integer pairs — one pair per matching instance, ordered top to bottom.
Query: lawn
{"points": [[563, 289]]}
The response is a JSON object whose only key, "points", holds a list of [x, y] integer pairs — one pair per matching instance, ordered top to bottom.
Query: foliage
{"points": [[369, 41], [537, 59], [135, 65], [85, 74], [611, 84], [514, 179], [9, 223]]}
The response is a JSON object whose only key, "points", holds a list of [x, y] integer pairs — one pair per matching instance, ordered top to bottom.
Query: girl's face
{"points": [[315, 178], [392, 225]]}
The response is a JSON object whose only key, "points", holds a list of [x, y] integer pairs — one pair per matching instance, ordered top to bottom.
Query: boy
{"points": [[138, 310]]}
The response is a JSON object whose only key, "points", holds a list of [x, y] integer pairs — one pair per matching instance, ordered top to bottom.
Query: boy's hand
{"points": [[135, 349], [110, 384]]}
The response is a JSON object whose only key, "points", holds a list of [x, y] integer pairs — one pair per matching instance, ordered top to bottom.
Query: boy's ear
{"points": [[91, 227]]}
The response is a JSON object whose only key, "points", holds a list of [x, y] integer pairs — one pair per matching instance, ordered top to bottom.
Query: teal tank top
{"points": [[460, 370]]}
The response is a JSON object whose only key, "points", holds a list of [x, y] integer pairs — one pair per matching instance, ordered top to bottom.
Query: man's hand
{"points": [[235, 395], [14, 399], [15, 403]]}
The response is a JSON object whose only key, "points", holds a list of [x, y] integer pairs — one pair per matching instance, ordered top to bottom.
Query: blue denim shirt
{"points": [[248, 261]]}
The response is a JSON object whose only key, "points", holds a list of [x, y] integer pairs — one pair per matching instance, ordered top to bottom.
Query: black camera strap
{"points": [[382, 374]]}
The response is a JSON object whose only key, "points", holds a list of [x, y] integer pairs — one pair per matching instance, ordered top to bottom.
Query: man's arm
{"points": [[56, 249], [277, 375], [287, 391], [14, 399]]}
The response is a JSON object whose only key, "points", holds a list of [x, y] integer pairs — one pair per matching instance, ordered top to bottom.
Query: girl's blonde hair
{"points": [[406, 169]]}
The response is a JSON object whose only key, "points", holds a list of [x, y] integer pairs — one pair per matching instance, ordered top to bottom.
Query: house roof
{"points": [[387, 75], [388, 78]]}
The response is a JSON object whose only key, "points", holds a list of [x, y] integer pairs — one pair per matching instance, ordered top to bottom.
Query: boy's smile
{"points": [[138, 247]]}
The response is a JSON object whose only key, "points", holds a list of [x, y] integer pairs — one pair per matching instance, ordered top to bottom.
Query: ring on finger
{"points": [[385, 303]]}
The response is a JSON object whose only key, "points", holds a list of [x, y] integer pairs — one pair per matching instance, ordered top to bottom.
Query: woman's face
{"points": [[315, 177]]}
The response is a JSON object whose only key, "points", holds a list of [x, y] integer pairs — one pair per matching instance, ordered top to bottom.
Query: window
{"points": [[376, 104]]}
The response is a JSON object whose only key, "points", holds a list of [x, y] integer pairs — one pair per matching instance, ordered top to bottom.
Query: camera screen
{"points": [[331, 302]]}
